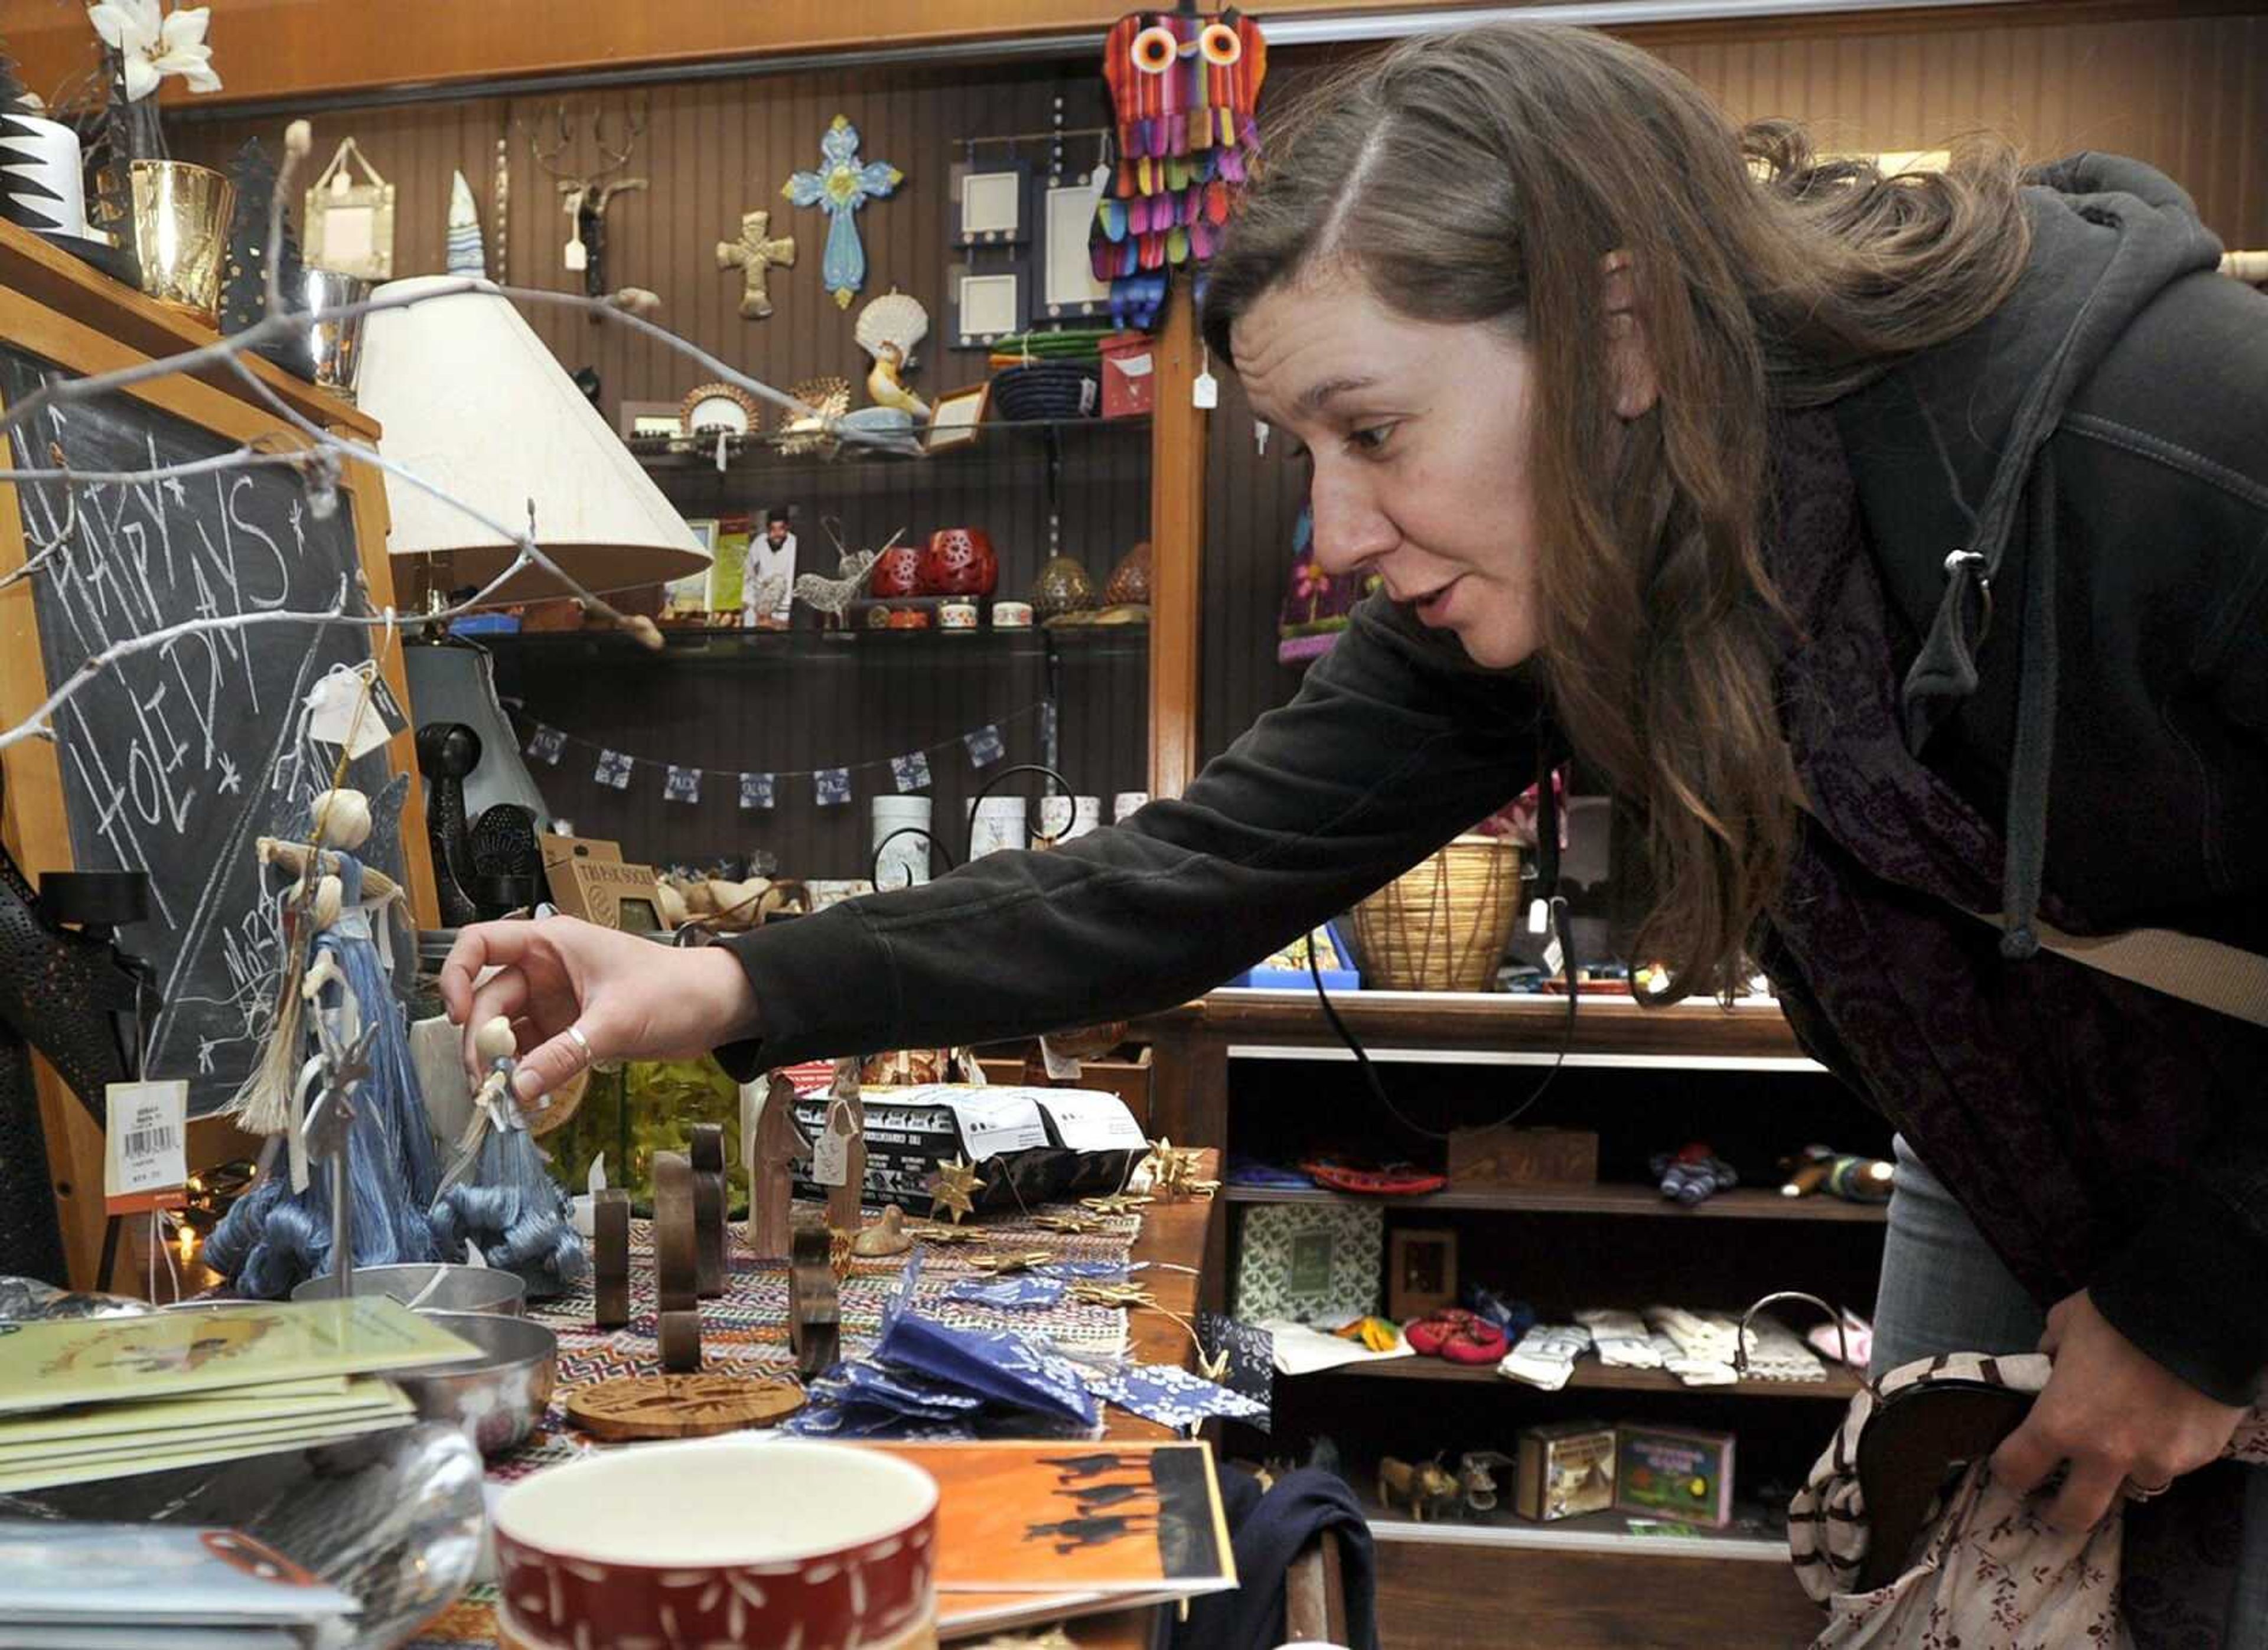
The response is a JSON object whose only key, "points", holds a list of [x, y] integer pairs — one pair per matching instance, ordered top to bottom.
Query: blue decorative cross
{"points": [[842, 185]]}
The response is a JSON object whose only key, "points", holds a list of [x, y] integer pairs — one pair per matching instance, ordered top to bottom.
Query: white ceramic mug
{"points": [[956, 615], [1012, 615], [1127, 802], [1066, 818], [904, 861]]}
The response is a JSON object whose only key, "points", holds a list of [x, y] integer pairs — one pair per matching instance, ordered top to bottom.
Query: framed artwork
{"points": [[995, 205], [348, 225], [1068, 289], [989, 305], [649, 420], [953, 420], [682, 598], [1421, 1272]]}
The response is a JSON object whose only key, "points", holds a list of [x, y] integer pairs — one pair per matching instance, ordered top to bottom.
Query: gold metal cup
{"points": [[181, 215]]}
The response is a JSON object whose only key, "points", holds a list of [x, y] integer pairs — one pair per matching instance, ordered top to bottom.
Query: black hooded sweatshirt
{"points": [[2095, 456]]}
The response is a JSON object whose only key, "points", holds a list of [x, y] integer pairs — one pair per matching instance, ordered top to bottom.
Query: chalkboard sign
{"points": [[176, 760]]}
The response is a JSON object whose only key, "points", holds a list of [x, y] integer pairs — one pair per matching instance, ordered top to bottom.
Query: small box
{"points": [[1130, 377], [587, 878], [1504, 1156], [1422, 1278], [1565, 1469], [1673, 1472]]}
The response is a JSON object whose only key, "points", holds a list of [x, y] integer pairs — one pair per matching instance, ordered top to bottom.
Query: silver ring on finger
{"points": [[582, 1043], [2134, 1491]]}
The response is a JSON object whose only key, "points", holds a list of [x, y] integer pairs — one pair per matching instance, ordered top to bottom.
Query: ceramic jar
{"points": [[958, 562], [896, 573], [1063, 586]]}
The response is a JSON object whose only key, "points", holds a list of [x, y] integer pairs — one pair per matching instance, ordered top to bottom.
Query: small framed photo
{"points": [[994, 202], [1068, 289], [989, 305], [650, 420], [953, 420], [684, 598], [1421, 1273]]}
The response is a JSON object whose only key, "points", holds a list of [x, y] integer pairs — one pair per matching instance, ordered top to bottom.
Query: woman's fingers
{"points": [[482, 945], [506, 993], [551, 1064]]}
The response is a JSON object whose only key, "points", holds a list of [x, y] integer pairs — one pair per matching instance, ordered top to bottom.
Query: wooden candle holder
{"points": [[610, 1258], [677, 1266], [711, 1270], [814, 1323]]}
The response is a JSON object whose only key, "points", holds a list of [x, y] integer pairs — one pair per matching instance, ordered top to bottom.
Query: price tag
{"points": [[1205, 391], [1260, 439], [340, 711], [1062, 1068], [831, 1156], [144, 1160]]}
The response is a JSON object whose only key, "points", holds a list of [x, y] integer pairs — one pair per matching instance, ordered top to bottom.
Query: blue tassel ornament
{"points": [[499, 1195]]}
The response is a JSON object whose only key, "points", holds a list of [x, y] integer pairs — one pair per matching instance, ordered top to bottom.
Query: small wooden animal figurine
{"points": [[846, 1116], [707, 1152], [772, 1171], [610, 1227], [887, 1236], [676, 1267], [814, 1323], [1477, 1477], [1422, 1486]]}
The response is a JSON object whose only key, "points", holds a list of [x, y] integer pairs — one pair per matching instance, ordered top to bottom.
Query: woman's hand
{"points": [[625, 998], [2116, 1414]]}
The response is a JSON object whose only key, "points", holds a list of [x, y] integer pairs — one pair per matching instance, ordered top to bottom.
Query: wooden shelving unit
{"points": [[1262, 1071], [1741, 1203], [1591, 1375]]}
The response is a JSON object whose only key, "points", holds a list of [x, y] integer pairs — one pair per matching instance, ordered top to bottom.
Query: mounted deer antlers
{"points": [[584, 196]]}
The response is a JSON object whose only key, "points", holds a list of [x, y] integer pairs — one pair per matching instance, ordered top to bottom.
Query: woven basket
{"points": [[1442, 925]]}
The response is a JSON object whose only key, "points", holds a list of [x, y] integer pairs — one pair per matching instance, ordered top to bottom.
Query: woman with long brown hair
{"points": [[1895, 549]]}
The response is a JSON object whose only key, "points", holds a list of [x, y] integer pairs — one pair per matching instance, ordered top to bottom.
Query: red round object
{"points": [[958, 562], [896, 574]]}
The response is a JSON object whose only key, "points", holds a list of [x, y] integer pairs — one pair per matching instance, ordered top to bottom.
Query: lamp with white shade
{"points": [[470, 400]]}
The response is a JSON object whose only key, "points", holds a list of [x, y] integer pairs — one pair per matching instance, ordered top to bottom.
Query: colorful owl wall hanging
{"points": [[1185, 88]]}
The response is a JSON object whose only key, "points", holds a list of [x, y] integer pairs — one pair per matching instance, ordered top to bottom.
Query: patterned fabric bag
{"points": [[1989, 1575]]}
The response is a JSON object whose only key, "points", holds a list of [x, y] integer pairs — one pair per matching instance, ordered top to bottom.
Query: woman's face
{"points": [[1418, 433]]}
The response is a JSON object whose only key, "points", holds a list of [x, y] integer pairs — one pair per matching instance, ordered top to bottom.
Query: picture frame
{"points": [[994, 204], [348, 225], [1068, 289], [990, 303], [956, 416], [646, 420], [687, 597], [1421, 1274]]}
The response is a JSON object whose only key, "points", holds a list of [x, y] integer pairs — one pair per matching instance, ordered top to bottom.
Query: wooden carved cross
{"points": [[755, 253]]}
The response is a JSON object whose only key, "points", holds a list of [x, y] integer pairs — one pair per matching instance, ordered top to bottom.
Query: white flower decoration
{"points": [[156, 44]]}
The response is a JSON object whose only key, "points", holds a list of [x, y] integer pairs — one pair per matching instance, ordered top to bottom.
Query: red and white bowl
{"points": [[720, 1541]]}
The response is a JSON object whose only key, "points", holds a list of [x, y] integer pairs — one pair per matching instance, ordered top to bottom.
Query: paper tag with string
{"points": [[1204, 389], [342, 710], [144, 1148], [830, 1153]]}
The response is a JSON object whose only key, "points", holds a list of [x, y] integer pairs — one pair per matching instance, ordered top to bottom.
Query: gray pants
{"points": [[1943, 1289]]}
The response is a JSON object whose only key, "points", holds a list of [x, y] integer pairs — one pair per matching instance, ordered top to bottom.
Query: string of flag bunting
{"points": [[758, 789]]}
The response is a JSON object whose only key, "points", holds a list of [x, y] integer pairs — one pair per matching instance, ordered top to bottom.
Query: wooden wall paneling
{"points": [[1177, 491]]}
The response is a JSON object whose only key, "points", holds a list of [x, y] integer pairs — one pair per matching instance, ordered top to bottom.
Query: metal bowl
{"points": [[430, 1287], [495, 1400], [393, 1518]]}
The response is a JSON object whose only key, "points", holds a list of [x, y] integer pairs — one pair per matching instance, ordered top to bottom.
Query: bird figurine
{"points": [[889, 329], [832, 596]]}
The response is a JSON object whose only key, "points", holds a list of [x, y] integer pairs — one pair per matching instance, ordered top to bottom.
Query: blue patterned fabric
{"points": [[1171, 1397]]}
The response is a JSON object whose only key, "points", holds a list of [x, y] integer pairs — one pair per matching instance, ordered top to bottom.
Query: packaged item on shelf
{"points": [[1028, 1145], [1506, 1156], [1310, 1262], [1546, 1355], [1565, 1469], [1674, 1472]]}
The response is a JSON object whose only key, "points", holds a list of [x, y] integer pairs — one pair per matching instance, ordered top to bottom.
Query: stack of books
{"points": [[106, 1397], [158, 1586]]}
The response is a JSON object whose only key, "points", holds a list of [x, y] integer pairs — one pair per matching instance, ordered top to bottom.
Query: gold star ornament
{"points": [[952, 1190]]}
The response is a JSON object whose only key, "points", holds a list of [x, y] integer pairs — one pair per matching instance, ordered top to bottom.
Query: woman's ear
{"points": [[1629, 357]]}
